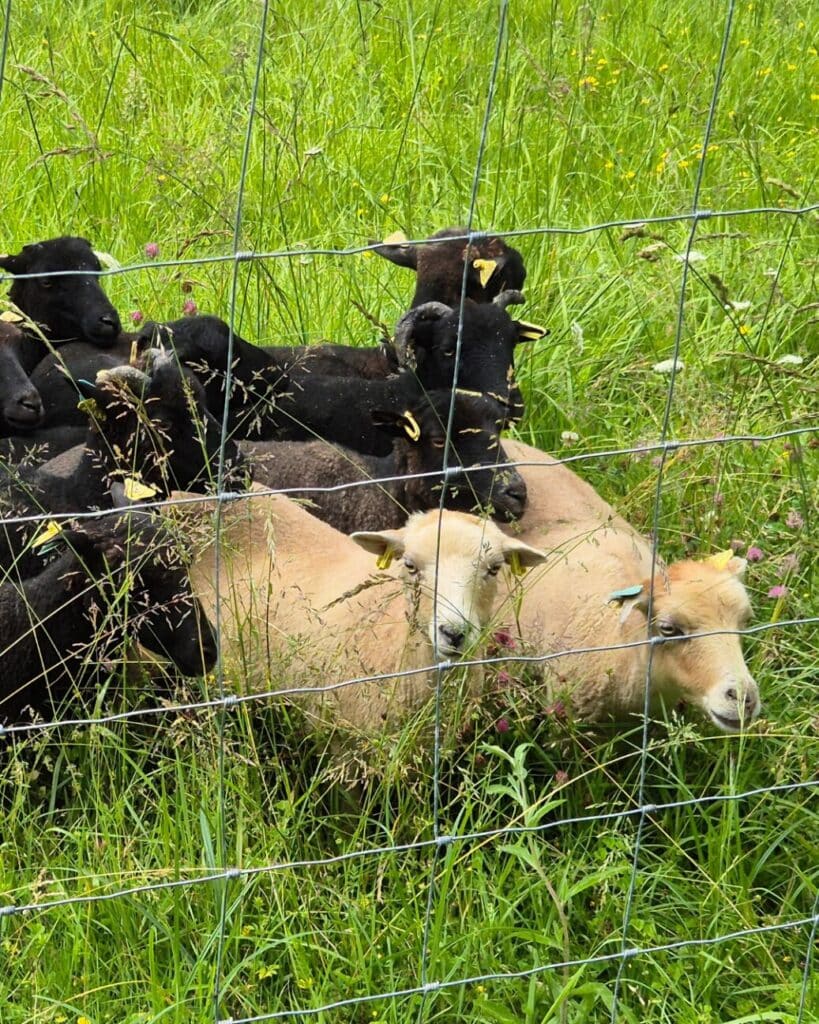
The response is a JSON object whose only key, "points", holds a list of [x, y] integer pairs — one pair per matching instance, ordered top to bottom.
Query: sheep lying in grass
{"points": [[68, 306], [21, 408], [152, 427], [418, 438], [117, 580], [593, 591], [301, 604]]}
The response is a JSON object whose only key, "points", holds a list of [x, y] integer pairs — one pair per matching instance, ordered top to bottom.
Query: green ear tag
{"points": [[91, 408], [384, 560], [515, 564], [621, 595]]}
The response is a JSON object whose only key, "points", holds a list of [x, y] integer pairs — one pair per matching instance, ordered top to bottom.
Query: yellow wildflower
{"points": [[745, 42], [663, 67], [764, 72], [588, 82], [683, 163], [609, 164], [628, 175], [744, 329]]}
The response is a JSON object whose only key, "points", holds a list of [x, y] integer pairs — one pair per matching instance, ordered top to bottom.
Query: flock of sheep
{"points": [[94, 418]]}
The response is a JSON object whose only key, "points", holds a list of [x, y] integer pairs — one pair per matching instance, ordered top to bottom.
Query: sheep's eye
{"points": [[46, 283], [449, 353], [439, 444], [410, 566], [494, 569], [669, 629]]}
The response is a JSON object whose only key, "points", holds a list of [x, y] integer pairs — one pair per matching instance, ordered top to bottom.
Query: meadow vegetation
{"points": [[127, 124]]}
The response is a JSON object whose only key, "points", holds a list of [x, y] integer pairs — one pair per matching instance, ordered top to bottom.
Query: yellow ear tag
{"points": [[396, 238], [485, 268], [10, 317], [531, 332], [132, 359], [91, 408], [411, 428], [137, 491], [52, 530], [384, 560], [720, 560], [515, 564]]}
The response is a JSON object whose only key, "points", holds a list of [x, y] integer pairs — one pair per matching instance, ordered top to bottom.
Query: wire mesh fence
{"points": [[226, 877]]}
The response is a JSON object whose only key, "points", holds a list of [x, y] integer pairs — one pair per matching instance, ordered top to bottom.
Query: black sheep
{"points": [[492, 266], [68, 303], [426, 340], [21, 408], [152, 428], [417, 436], [117, 581]]}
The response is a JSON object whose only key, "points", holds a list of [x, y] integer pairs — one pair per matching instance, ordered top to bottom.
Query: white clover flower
{"points": [[695, 256], [738, 307], [577, 335], [668, 366], [569, 437]]}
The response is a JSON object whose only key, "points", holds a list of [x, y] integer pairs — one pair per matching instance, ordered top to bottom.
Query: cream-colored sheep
{"points": [[593, 591], [302, 605]]}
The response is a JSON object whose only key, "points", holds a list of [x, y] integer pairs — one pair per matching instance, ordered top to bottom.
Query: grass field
{"points": [[127, 124]]}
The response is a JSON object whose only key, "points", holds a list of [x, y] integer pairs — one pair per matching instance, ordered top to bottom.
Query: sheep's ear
{"points": [[396, 249], [107, 260], [14, 264], [530, 332], [92, 402], [397, 423], [131, 492], [386, 545], [520, 557], [727, 561], [630, 598]]}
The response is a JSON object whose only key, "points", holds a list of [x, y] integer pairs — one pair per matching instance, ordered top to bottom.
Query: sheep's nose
{"points": [[510, 496], [453, 635], [749, 701]]}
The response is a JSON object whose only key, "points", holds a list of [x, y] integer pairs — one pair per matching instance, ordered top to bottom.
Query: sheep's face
{"points": [[69, 305], [426, 339], [21, 407], [474, 444], [450, 573], [706, 671]]}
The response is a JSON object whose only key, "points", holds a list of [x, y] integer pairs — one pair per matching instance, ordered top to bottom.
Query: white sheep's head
{"points": [[451, 572], [693, 597]]}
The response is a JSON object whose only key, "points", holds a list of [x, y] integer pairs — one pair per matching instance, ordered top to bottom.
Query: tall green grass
{"points": [[127, 125]]}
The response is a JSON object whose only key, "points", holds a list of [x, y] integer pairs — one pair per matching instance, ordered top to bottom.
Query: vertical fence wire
{"points": [[220, 489], [655, 518]]}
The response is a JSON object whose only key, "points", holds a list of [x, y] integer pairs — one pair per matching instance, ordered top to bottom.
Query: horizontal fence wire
{"points": [[222, 705]]}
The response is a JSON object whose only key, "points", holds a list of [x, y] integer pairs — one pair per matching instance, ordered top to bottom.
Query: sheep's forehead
{"points": [[463, 538], [703, 597]]}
